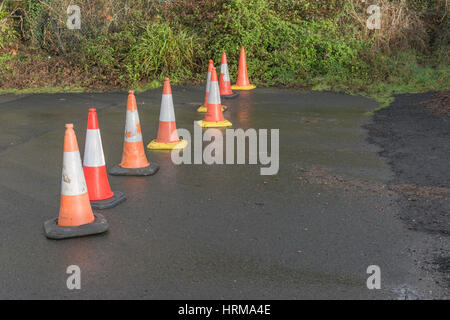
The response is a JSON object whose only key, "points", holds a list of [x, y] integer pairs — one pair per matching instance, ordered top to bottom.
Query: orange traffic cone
{"points": [[224, 80], [242, 82], [204, 106], [214, 116], [167, 133], [134, 161], [94, 168], [76, 218]]}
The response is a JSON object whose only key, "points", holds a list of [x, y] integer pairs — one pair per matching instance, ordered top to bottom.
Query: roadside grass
{"points": [[412, 78], [151, 85], [38, 90]]}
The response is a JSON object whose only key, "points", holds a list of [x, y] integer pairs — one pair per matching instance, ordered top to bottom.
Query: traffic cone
{"points": [[224, 80], [242, 82], [203, 107], [214, 116], [167, 133], [134, 161], [94, 167], [76, 218]]}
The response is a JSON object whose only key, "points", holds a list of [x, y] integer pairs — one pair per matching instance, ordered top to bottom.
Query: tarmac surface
{"points": [[212, 231]]}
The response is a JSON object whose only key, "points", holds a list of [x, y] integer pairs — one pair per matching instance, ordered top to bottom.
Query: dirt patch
{"points": [[439, 104], [308, 120], [414, 136], [416, 143], [324, 176], [416, 192]]}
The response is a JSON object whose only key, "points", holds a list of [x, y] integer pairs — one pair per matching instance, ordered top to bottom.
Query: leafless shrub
{"points": [[401, 27]]}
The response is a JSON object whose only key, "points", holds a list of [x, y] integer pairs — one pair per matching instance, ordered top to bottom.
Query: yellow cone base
{"points": [[250, 87], [203, 108], [218, 124], [154, 145]]}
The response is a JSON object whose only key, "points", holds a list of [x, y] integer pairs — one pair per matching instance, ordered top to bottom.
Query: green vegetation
{"points": [[7, 33], [321, 44]]}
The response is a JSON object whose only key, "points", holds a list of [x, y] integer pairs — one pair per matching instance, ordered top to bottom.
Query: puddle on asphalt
{"points": [[313, 128]]}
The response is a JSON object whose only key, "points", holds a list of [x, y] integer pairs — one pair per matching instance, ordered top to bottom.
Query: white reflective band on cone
{"points": [[224, 71], [208, 81], [214, 94], [167, 113], [131, 132], [93, 150], [72, 182]]}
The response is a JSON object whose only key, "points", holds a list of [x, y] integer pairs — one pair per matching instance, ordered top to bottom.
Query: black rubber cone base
{"points": [[230, 96], [146, 171], [109, 203], [53, 231]]}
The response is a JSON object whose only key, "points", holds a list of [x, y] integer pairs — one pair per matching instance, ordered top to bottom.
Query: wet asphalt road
{"points": [[210, 232]]}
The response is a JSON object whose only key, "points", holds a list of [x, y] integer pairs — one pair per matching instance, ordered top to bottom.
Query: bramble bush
{"points": [[8, 34], [321, 43]]}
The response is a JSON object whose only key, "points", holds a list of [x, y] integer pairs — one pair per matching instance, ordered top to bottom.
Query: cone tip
{"points": [[224, 58], [211, 61], [214, 74], [166, 79], [166, 88], [131, 92], [92, 119], [70, 140]]}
